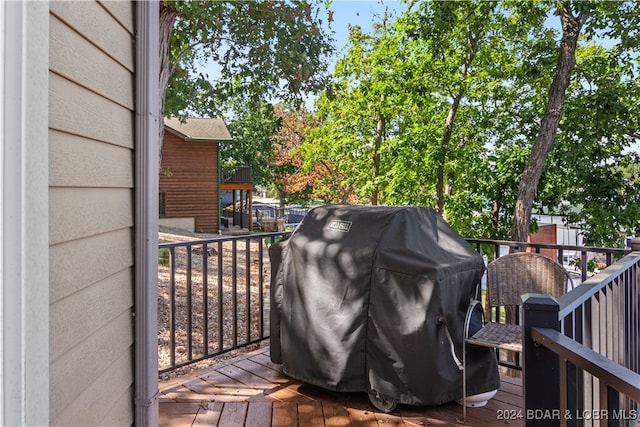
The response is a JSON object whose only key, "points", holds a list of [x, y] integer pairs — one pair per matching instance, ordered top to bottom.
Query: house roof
{"points": [[199, 129]]}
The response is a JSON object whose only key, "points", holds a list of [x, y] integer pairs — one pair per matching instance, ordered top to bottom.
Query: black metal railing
{"points": [[582, 257], [578, 266], [230, 284], [213, 297], [587, 345]]}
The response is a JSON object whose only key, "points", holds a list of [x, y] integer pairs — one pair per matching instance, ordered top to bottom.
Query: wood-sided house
{"points": [[189, 188], [79, 214]]}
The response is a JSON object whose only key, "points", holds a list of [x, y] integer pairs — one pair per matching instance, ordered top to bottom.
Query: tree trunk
{"points": [[167, 18], [571, 27], [474, 46], [380, 130], [446, 139], [346, 194], [282, 196], [495, 214]]}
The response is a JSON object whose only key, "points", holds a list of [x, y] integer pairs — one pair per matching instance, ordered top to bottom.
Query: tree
{"points": [[617, 19], [571, 27], [452, 36], [263, 48], [517, 67], [458, 91], [414, 105], [351, 119], [253, 126], [599, 128], [292, 183]]}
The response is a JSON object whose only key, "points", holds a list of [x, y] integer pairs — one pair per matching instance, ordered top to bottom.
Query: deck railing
{"points": [[236, 175], [580, 256], [583, 262], [214, 294], [213, 297], [587, 347]]}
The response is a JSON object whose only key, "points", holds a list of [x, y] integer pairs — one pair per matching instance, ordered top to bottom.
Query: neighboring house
{"points": [[78, 174], [189, 175], [554, 230], [547, 233], [566, 233]]}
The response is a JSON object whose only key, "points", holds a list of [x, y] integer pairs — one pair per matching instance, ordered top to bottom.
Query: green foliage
{"points": [[261, 49], [258, 52], [441, 78], [460, 89], [439, 106], [347, 119], [252, 126], [599, 129], [164, 256], [592, 264]]}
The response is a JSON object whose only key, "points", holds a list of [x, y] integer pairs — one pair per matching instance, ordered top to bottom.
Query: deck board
{"points": [[250, 390], [209, 414], [233, 414], [259, 414], [284, 414], [310, 414], [335, 414]]}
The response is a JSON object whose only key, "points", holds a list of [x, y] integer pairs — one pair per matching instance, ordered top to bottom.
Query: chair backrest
{"points": [[517, 273]]}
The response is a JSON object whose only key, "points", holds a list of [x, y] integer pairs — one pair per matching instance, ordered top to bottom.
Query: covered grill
{"points": [[373, 299]]}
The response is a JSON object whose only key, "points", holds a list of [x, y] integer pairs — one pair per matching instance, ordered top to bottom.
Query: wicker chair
{"points": [[509, 277]]}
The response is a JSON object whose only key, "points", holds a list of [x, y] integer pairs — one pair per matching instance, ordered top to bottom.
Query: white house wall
{"points": [[77, 59], [97, 163], [91, 211], [24, 270]]}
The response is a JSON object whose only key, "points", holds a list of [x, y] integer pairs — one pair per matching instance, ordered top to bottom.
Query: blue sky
{"points": [[358, 12]]}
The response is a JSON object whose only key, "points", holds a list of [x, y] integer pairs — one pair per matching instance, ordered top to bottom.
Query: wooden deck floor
{"points": [[251, 391]]}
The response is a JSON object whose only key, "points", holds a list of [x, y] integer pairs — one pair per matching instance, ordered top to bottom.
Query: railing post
{"points": [[541, 368]]}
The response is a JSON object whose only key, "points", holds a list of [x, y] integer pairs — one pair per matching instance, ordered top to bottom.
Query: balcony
{"points": [[236, 175], [239, 179], [583, 349]]}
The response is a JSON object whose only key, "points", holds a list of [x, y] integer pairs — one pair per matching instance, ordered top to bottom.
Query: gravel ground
{"points": [[239, 284]]}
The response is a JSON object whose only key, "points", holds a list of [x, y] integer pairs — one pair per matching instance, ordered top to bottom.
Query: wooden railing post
{"points": [[541, 368]]}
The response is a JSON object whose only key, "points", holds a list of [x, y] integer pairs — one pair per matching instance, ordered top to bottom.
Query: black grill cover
{"points": [[366, 298]]}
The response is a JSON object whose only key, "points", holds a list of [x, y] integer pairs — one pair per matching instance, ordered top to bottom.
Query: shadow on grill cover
{"points": [[373, 299]]}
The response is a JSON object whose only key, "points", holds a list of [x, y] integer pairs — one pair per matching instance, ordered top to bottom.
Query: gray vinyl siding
{"points": [[91, 212]]}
